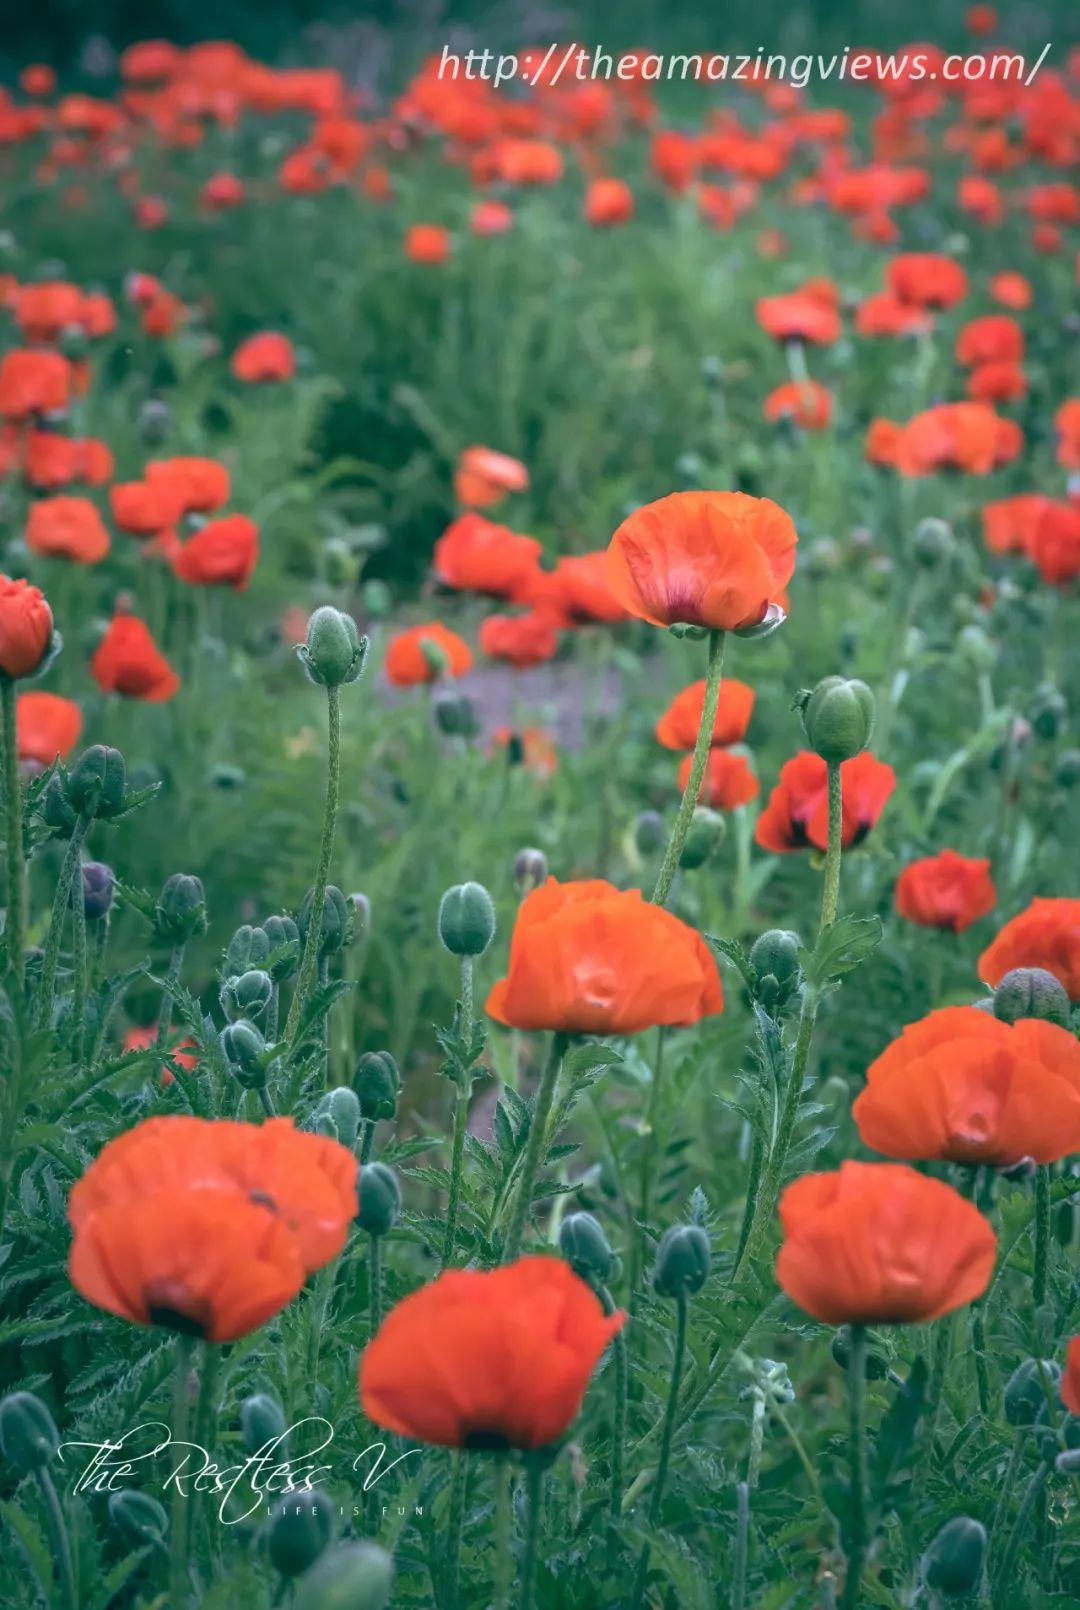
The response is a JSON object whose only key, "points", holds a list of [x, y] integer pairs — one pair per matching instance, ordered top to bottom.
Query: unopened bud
{"points": [[933, 543], [977, 648], [334, 652], [1049, 712], [454, 714], [838, 718], [1067, 771], [97, 783], [648, 832], [704, 837], [530, 871], [98, 887], [181, 909], [466, 919], [337, 920], [283, 937], [249, 947], [1031, 992], [247, 996], [243, 1047], [377, 1084], [341, 1109], [380, 1199], [585, 1247], [683, 1260], [1025, 1394], [261, 1421], [28, 1435], [138, 1517], [299, 1530], [953, 1564], [353, 1576]]}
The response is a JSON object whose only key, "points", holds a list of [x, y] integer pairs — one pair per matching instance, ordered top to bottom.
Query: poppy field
{"points": [[540, 816]]}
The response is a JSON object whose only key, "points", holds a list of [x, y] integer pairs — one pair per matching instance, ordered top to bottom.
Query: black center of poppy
{"points": [[261, 1199], [172, 1319], [481, 1441]]}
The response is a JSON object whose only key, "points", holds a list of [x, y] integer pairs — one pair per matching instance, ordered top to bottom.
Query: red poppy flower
{"points": [[37, 79], [673, 158], [529, 162], [222, 191], [981, 198], [608, 202], [491, 218], [427, 243], [927, 280], [1011, 290], [44, 310], [798, 317], [994, 338], [264, 358], [33, 383], [997, 383], [805, 401], [1066, 424], [968, 437], [883, 442], [52, 461], [484, 477], [194, 485], [145, 508], [1009, 524], [69, 527], [1054, 547], [223, 553], [476, 555], [716, 559], [577, 592], [26, 627], [522, 640], [424, 653], [129, 662], [678, 726], [47, 727], [530, 747], [728, 781], [797, 814], [946, 890], [1046, 935], [587, 958], [186, 1053], [963, 1087], [879, 1244], [496, 1358], [1070, 1380]]}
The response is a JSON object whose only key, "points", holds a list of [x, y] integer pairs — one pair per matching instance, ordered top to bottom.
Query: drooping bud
{"points": [[933, 543], [334, 653], [1049, 712], [454, 714], [838, 718], [97, 783], [649, 832], [704, 837], [530, 871], [98, 886], [181, 909], [466, 919], [337, 920], [283, 937], [249, 947], [1031, 992], [247, 996], [243, 1047], [377, 1084], [339, 1109], [380, 1199], [585, 1247], [683, 1260], [877, 1364], [1024, 1397], [261, 1422], [28, 1435], [137, 1517], [299, 1530], [953, 1564], [353, 1576]]}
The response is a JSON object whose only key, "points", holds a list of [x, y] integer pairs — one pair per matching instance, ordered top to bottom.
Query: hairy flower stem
{"points": [[670, 863], [831, 892], [61, 904], [15, 922], [79, 972], [306, 976], [172, 978], [462, 1092], [367, 1144], [534, 1147], [648, 1160], [969, 1186], [1040, 1277], [375, 1283], [181, 1413], [618, 1419], [664, 1460], [1012, 1470], [459, 1476], [534, 1484], [857, 1528], [61, 1539], [742, 1543], [504, 1569], [1004, 1581]]}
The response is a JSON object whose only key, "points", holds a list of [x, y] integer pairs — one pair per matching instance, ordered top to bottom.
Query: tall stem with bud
{"points": [[670, 863], [15, 928], [309, 961]]}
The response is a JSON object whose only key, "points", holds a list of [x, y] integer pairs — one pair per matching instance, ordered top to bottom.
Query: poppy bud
{"points": [[712, 372], [155, 421], [933, 543], [823, 556], [27, 638], [977, 648], [334, 653], [1049, 711], [454, 714], [838, 718], [1067, 771], [226, 778], [97, 783], [57, 812], [648, 832], [704, 837], [530, 871], [98, 885], [361, 907], [181, 909], [466, 919], [337, 920], [284, 939], [249, 947], [775, 954], [1031, 992], [247, 996], [244, 1046], [377, 1084], [340, 1110], [380, 1199], [585, 1247], [683, 1259], [877, 1365], [1024, 1396], [261, 1422], [28, 1434], [137, 1516], [299, 1530], [953, 1563], [353, 1576]]}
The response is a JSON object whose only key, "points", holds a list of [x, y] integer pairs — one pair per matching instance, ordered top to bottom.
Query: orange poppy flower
{"points": [[980, 19], [673, 158], [529, 162], [222, 191], [981, 198], [608, 202], [491, 218], [427, 243], [927, 280], [1012, 290], [44, 310], [798, 316], [995, 338], [264, 358], [33, 383], [997, 383], [807, 402], [1066, 424], [968, 437], [883, 442], [52, 461], [484, 477], [194, 485], [145, 508], [1009, 524], [69, 527], [1054, 548], [223, 553], [477, 555], [715, 559], [578, 591], [26, 627], [522, 640], [424, 653], [129, 662], [678, 726], [47, 727], [530, 747], [728, 781], [797, 815], [946, 890], [1046, 935], [587, 958], [186, 1053], [962, 1087], [879, 1244], [497, 1358], [1070, 1380]]}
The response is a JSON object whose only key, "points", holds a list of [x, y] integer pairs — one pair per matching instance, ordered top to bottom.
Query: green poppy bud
{"points": [[154, 421], [933, 543], [977, 648], [334, 653], [1049, 712], [454, 714], [838, 718], [1067, 771], [225, 778], [97, 783], [56, 809], [649, 832], [704, 837], [530, 871], [98, 887], [181, 909], [466, 919], [337, 920], [283, 937], [249, 947], [776, 951], [1031, 992], [247, 996], [243, 1047], [377, 1084], [342, 1108], [380, 1199], [585, 1247], [683, 1260], [877, 1364], [1024, 1396], [261, 1422], [28, 1434], [137, 1517], [299, 1530], [953, 1564], [353, 1576]]}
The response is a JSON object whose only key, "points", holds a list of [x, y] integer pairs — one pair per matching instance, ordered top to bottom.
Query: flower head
{"points": [[129, 662], [946, 890], [1046, 935]]}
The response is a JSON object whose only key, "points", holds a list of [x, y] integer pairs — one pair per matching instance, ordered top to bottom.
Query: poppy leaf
{"points": [[843, 946]]}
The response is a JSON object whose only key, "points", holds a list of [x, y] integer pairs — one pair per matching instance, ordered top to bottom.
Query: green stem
{"points": [[670, 863], [831, 892], [61, 902], [15, 924], [79, 971], [306, 975], [165, 1010], [272, 1015], [267, 1102], [461, 1119], [368, 1142], [534, 1148], [648, 1160], [753, 1181], [969, 1185], [1040, 1279], [375, 1283], [320, 1307], [681, 1311], [181, 1413], [618, 1420], [1012, 1470], [534, 1482], [455, 1523], [857, 1534], [61, 1538], [742, 1544], [503, 1573], [1004, 1582]]}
